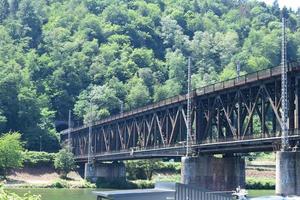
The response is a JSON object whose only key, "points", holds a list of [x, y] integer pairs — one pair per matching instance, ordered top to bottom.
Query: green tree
{"points": [[13, 6], [4, 10], [31, 22], [177, 66], [169, 89], [138, 94], [96, 102], [11, 149], [64, 162], [142, 169]]}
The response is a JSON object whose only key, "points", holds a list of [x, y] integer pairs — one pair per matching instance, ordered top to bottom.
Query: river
{"points": [[86, 194]]}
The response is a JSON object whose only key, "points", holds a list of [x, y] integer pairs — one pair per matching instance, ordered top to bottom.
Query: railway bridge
{"points": [[228, 119]]}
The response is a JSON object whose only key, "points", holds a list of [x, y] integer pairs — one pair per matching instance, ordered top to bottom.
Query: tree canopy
{"points": [[92, 56], [10, 152]]}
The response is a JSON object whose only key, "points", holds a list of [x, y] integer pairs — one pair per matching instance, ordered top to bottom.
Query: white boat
{"points": [[240, 194]]}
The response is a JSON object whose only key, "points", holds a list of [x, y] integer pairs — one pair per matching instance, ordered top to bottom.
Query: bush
{"points": [[10, 152], [38, 159], [64, 162], [170, 167], [144, 169], [168, 178], [255, 183], [60, 184], [65, 184], [115, 184], [124, 184], [143, 184]]}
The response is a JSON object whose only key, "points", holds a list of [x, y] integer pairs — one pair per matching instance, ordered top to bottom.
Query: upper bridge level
{"points": [[237, 115]]}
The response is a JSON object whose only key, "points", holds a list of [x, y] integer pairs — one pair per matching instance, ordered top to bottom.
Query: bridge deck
{"points": [[228, 147]]}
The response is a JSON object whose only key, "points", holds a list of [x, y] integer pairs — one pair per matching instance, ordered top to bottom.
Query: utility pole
{"points": [[238, 70], [284, 89], [121, 107], [189, 107], [69, 132], [90, 135], [40, 143]]}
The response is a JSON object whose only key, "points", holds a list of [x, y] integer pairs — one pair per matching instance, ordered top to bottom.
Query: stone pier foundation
{"points": [[108, 171], [288, 173], [216, 174]]}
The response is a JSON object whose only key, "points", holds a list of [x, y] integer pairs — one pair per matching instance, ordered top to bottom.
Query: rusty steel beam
{"points": [[234, 110]]}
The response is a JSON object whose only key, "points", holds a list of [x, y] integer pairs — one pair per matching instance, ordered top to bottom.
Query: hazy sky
{"points": [[295, 4]]}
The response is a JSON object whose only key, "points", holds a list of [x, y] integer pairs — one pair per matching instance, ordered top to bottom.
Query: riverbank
{"points": [[260, 174], [44, 177], [47, 178]]}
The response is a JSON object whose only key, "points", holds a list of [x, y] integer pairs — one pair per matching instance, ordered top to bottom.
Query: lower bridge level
{"points": [[215, 173]]}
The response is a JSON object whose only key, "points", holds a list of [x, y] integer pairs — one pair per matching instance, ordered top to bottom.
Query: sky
{"points": [[294, 4]]}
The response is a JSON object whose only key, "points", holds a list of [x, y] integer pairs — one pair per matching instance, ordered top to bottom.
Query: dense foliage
{"points": [[91, 56], [10, 152], [38, 159], [64, 162], [144, 169], [11, 196]]}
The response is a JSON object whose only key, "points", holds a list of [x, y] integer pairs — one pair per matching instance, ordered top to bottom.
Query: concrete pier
{"points": [[109, 171], [287, 173], [217, 174]]}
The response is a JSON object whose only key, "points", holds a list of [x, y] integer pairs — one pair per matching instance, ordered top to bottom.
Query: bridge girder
{"points": [[236, 110]]}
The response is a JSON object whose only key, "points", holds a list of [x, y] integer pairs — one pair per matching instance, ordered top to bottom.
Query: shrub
{"points": [[10, 152], [38, 159], [64, 162], [142, 169], [255, 183], [60, 184], [115, 184], [143, 184]]}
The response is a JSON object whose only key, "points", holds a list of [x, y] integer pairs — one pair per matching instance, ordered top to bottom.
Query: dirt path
{"points": [[36, 176]]}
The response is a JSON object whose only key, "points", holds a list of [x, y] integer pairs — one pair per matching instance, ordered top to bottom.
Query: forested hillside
{"points": [[91, 55]]}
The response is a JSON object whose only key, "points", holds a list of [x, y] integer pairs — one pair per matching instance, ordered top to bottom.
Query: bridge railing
{"points": [[177, 147]]}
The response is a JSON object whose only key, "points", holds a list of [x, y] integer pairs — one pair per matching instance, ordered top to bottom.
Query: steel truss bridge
{"points": [[234, 116]]}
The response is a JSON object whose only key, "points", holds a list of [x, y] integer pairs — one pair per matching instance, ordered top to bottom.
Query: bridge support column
{"points": [[106, 171], [288, 173], [217, 174]]}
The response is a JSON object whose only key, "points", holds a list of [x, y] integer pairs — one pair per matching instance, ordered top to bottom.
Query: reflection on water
{"points": [[86, 194]]}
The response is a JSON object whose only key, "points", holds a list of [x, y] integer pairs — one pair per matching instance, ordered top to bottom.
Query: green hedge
{"points": [[37, 159], [138, 169], [260, 183], [115, 184], [124, 184]]}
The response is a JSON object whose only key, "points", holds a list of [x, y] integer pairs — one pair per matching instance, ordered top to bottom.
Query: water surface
{"points": [[86, 194]]}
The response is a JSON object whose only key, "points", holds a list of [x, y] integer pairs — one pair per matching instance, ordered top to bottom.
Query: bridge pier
{"points": [[106, 171], [287, 173], [216, 174]]}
